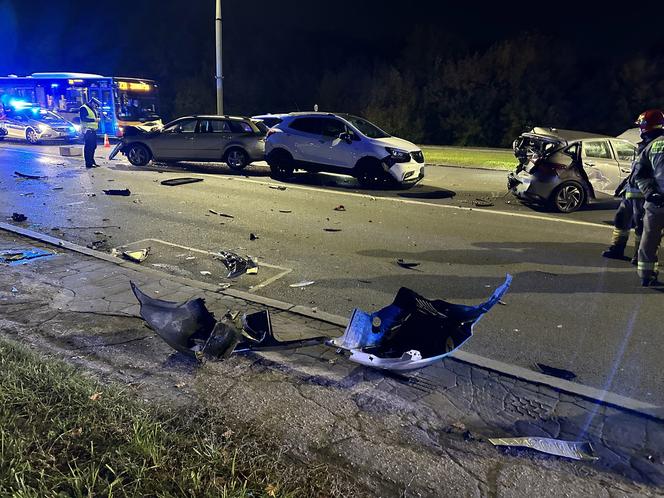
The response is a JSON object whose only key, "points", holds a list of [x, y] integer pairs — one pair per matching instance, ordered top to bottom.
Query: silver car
{"points": [[36, 125], [237, 141], [566, 169]]}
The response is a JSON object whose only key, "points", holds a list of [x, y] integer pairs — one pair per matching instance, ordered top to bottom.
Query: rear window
{"points": [[307, 125], [241, 127], [599, 149]]}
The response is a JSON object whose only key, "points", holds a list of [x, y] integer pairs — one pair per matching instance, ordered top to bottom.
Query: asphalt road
{"points": [[567, 307]]}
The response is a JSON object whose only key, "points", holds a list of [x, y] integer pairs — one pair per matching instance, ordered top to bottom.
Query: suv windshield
{"points": [[367, 128]]}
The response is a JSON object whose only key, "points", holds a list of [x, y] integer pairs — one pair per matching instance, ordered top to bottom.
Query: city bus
{"points": [[125, 101]]}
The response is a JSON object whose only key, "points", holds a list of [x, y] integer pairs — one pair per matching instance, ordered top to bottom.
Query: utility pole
{"points": [[219, 75]]}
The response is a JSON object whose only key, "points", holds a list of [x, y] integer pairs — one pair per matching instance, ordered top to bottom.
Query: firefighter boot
{"points": [[615, 252], [649, 279]]}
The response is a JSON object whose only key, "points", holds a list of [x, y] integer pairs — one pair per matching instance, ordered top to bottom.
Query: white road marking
{"points": [[380, 198], [265, 283]]}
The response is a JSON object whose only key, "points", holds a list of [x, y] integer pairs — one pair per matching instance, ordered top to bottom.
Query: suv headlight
{"points": [[398, 155]]}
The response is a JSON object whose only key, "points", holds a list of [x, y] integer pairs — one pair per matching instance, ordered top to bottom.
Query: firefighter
{"points": [[89, 114], [649, 175], [629, 214]]}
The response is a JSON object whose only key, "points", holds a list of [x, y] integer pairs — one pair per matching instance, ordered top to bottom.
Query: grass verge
{"points": [[459, 156], [64, 434]]}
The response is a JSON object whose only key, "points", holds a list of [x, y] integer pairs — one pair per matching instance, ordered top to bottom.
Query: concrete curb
{"points": [[595, 395]]}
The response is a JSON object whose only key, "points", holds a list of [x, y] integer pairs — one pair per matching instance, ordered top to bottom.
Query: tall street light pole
{"points": [[219, 75]]}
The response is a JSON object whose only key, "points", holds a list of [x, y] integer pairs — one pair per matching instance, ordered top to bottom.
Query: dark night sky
{"points": [[55, 29]]}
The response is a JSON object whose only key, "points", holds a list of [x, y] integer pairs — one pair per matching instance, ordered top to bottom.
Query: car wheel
{"points": [[31, 136], [139, 155], [237, 159], [281, 164], [370, 174], [568, 197]]}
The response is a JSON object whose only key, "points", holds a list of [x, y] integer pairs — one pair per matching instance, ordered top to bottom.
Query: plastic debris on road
{"points": [[28, 177], [174, 182], [277, 187], [122, 192], [482, 203], [340, 207], [19, 217], [332, 229], [253, 236], [136, 256], [16, 257], [236, 264], [409, 265], [205, 273], [303, 284], [189, 327], [412, 332], [561, 373], [568, 449]]}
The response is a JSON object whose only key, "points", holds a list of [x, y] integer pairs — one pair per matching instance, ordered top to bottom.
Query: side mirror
{"points": [[346, 137]]}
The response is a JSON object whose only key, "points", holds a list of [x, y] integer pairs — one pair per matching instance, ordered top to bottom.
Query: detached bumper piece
{"points": [[191, 329], [413, 332]]}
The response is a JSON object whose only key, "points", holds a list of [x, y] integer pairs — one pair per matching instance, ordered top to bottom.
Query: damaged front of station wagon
{"points": [[564, 169]]}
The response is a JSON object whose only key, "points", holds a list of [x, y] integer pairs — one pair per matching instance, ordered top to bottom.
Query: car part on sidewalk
{"points": [[174, 182], [124, 192], [19, 217], [136, 256], [14, 257], [236, 265], [409, 265], [190, 328], [413, 332], [568, 449]]}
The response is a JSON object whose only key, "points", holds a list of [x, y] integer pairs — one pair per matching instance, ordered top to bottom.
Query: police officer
{"points": [[89, 114], [649, 175], [629, 215]]}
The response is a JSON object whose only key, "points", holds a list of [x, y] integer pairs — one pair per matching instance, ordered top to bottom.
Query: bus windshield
{"points": [[137, 107]]}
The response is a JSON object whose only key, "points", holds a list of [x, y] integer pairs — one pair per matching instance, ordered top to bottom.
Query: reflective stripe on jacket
{"points": [[89, 118]]}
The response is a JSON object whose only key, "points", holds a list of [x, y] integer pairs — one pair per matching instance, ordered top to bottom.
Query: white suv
{"points": [[341, 143]]}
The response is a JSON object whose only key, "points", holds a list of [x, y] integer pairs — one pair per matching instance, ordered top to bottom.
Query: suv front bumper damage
{"points": [[408, 173]]}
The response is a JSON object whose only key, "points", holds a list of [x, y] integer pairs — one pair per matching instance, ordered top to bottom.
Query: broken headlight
{"points": [[397, 155]]}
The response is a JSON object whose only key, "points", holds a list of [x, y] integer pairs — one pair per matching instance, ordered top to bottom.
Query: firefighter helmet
{"points": [[652, 119]]}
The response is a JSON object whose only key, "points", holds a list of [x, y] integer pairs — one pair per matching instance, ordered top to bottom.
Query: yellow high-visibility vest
{"points": [[91, 114]]}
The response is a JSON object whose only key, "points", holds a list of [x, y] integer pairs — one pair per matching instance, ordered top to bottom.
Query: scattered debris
{"points": [[29, 177], [174, 182], [277, 187], [57, 188], [124, 192], [27, 194], [482, 203], [340, 207], [213, 211], [286, 211], [224, 215], [19, 217], [92, 228], [332, 229], [253, 236], [96, 244], [22, 256], [136, 256], [190, 258], [407, 264], [237, 265], [205, 273], [364, 281], [303, 284], [224, 285], [14, 290], [502, 303], [190, 328], [413, 332], [561, 373], [180, 385], [95, 397], [567, 449]]}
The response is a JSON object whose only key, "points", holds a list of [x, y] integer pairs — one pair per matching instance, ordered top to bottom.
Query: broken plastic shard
{"points": [[28, 177], [174, 182], [277, 187], [123, 192], [340, 207], [19, 217], [332, 229], [253, 236], [23, 256], [136, 256], [407, 264], [237, 265], [205, 273], [303, 284], [191, 329], [413, 332], [561, 373], [568, 449]]}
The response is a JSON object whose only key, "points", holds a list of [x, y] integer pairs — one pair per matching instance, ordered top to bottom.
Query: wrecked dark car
{"points": [[564, 169], [413, 332]]}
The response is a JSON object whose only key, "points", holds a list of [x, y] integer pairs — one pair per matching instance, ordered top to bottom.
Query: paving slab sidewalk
{"points": [[421, 434]]}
